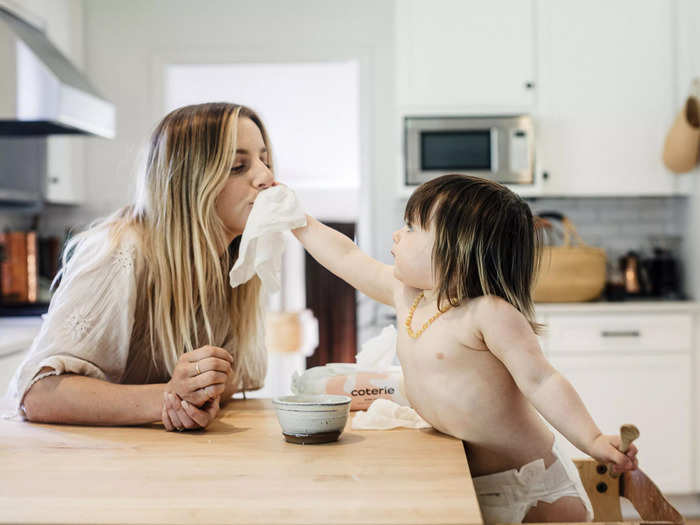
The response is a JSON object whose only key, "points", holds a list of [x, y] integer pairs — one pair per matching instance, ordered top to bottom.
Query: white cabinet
{"points": [[457, 55], [601, 76], [605, 96], [64, 170], [633, 367], [654, 393]]}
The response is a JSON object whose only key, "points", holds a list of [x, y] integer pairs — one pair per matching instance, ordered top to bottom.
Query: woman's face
{"points": [[249, 176], [412, 251]]}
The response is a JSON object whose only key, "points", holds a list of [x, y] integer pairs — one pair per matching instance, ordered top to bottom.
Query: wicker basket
{"points": [[569, 272]]}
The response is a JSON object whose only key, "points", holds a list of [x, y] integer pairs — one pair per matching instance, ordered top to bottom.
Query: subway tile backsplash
{"points": [[620, 224]]}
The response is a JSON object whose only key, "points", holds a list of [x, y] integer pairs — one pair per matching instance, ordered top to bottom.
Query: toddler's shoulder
{"points": [[493, 309]]}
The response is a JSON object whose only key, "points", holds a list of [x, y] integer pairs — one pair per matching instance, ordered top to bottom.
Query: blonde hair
{"points": [[183, 240], [486, 242]]}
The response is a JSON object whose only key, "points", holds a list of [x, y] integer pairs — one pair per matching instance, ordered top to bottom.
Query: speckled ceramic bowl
{"points": [[308, 419]]}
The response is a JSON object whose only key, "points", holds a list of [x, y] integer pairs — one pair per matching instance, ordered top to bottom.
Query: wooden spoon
{"points": [[628, 433]]}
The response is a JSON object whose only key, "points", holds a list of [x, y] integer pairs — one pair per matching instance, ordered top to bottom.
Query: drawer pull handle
{"points": [[620, 333]]}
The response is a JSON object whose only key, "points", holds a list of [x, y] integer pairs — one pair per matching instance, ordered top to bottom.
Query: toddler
{"points": [[464, 266]]}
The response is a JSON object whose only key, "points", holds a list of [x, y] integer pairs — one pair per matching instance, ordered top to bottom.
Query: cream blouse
{"points": [[96, 325]]}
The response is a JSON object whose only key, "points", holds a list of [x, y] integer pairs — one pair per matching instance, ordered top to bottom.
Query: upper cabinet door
{"points": [[463, 55], [604, 96], [64, 167]]}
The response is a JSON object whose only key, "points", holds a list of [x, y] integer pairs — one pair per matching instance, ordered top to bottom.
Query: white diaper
{"points": [[506, 497]]}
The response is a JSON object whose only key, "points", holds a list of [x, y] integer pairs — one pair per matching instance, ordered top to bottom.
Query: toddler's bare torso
{"points": [[458, 386]]}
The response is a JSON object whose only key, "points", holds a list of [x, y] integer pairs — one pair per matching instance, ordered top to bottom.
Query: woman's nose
{"points": [[263, 178], [395, 235]]}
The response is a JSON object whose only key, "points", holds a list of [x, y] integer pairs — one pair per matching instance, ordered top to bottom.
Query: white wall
{"points": [[128, 43], [317, 156]]}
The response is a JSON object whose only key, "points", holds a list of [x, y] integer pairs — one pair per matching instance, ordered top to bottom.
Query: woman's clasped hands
{"points": [[191, 398]]}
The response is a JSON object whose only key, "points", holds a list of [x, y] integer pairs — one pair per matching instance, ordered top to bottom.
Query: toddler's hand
{"points": [[606, 450]]}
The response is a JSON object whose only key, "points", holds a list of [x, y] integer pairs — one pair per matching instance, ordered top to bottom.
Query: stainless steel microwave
{"points": [[498, 148]]}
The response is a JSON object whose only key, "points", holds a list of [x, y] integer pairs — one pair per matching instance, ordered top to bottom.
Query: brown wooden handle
{"points": [[628, 433]]}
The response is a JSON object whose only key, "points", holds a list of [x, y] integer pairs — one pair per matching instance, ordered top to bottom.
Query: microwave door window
{"points": [[456, 150]]}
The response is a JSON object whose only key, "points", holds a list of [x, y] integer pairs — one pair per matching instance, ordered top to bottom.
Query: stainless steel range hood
{"points": [[41, 91]]}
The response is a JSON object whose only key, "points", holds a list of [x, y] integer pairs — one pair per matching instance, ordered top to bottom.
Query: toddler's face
{"points": [[412, 251]]}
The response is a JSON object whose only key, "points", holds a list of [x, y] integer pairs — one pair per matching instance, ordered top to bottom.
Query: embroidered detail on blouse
{"points": [[124, 258], [78, 326]]}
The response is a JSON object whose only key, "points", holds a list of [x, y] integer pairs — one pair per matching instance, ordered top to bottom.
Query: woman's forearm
{"points": [[80, 400]]}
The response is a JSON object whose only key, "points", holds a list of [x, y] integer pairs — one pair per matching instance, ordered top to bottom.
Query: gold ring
{"points": [[196, 367]]}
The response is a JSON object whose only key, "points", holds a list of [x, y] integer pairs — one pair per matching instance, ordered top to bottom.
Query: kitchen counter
{"points": [[618, 306], [240, 470]]}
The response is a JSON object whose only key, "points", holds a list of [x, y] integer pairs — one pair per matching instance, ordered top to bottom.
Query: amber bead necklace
{"points": [[409, 319]]}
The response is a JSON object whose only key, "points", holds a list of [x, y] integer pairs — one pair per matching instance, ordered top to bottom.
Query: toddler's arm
{"points": [[341, 256], [510, 338]]}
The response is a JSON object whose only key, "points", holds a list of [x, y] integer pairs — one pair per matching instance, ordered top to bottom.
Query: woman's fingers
{"points": [[208, 351], [209, 364], [200, 375], [208, 378], [201, 396], [213, 408], [172, 414], [164, 415], [178, 416], [199, 416]]}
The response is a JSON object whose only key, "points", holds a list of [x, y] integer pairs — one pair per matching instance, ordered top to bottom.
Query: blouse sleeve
{"points": [[87, 329]]}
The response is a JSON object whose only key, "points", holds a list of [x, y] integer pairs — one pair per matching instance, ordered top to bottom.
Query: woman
{"points": [[144, 325]]}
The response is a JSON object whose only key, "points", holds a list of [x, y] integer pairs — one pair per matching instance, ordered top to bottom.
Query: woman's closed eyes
{"points": [[240, 168]]}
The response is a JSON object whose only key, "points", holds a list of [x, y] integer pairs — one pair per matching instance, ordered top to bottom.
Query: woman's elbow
{"points": [[36, 404]]}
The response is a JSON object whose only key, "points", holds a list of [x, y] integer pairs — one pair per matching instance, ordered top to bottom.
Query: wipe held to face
{"points": [[275, 211]]}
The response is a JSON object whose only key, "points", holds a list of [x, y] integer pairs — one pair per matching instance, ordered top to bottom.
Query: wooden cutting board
{"points": [[240, 470]]}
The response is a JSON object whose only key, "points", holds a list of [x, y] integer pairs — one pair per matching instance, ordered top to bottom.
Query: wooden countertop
{"points": [[240, 470]]}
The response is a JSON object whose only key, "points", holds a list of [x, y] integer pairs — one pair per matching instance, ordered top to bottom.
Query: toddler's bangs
{"points": [[423, 205]]}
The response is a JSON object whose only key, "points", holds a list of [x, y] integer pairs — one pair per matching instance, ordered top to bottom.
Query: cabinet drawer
{"points": [[577, 333]]}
